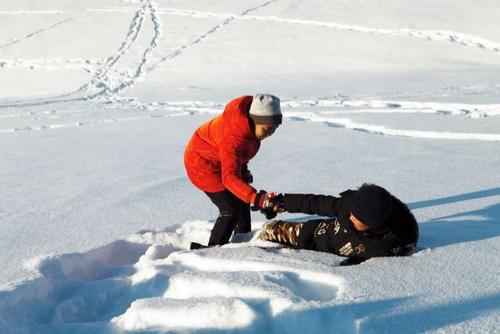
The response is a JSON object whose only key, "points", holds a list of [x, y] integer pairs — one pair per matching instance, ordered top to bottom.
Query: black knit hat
{"points": [[371, 204]]}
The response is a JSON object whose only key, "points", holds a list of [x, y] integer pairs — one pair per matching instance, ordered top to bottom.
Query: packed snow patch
{"points": [[150, 281], [171, 314]]}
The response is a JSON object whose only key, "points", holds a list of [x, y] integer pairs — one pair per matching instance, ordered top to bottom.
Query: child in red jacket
{"points": [[216, 161]]}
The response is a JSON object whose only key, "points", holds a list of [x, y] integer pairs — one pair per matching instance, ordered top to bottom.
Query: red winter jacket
{"points": [[217, 151]]}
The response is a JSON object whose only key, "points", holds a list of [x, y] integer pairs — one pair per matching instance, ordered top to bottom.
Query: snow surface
{"points": [[98, 100]]}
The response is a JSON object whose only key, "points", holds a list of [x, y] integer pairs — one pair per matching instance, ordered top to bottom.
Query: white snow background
{"points": [[99, 98]]}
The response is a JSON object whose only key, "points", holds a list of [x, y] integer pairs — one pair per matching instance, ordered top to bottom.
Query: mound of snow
{"points": [[151, 282]]}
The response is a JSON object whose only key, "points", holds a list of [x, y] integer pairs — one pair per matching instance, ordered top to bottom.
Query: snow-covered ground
{"points": [[98, 99]]}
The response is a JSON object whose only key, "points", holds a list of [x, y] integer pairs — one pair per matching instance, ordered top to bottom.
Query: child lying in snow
{"points": [[216, 160], [365, 223]]}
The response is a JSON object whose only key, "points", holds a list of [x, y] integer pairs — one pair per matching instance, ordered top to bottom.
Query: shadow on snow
{"points": [[443, 231]]}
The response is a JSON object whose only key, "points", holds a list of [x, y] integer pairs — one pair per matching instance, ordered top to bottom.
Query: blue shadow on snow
{"points": [[442, 231]]}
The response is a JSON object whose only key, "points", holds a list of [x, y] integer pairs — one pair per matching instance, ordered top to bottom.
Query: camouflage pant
{"points": [[282, 232]]}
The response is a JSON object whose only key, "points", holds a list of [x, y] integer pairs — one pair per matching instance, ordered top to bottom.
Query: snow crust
{"points": [[97, 102]]}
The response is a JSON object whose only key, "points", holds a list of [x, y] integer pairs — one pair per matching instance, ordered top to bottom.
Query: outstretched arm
{"points": [[322, 205]]}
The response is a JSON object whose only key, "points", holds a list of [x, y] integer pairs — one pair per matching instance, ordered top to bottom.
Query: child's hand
{"points": [[262, 200], [268, 201], [269, 204]]}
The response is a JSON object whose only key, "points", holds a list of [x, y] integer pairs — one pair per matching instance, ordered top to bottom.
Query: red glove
{"points": [[262, 200], [268, 203]]}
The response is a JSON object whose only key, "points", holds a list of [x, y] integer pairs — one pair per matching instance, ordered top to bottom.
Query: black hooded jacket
{"points": [[397, 237]]}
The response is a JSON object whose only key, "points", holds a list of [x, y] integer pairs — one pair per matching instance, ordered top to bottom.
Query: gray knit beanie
{"points": [[265, 109]]}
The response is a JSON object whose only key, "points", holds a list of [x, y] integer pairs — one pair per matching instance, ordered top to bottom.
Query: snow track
{"points": [[32, 12], [155, 19], [227, 20], [34, 33], [428, 35], [455, 37], [55, 64], [110, 77], [102, 80], [103, 83], [319, 110], [383, 130]]}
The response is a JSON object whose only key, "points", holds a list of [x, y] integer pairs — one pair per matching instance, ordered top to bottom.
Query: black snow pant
{"points": [[234, 215]]}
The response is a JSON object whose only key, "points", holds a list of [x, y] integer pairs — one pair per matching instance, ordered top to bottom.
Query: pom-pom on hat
{"points": [[265, 109], [371, 204]]}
